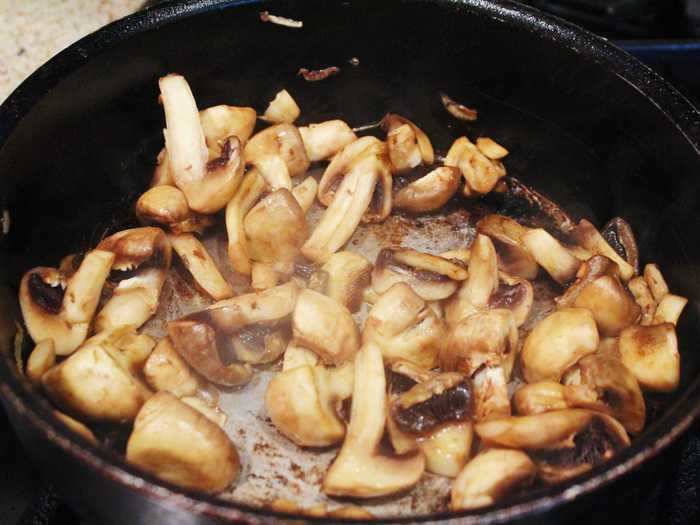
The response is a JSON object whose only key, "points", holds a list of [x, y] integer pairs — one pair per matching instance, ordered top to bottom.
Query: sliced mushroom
{"points": [[282, 109], [222, 121], [325, 139], [281, 140], [415, 141], [491, 148], [404, 152], [274, 170], [481, 174], [207, 184], [430, 192], [305, 193], [244, 199], [167, 205], [350, 205], [276, 229], [506, 235], [619, 235], [590, 238], [143, 255], [551, 255], [197, 260], [263, 276], [430, 276], [344, 278], [655, 281], [482, 282], [598, 288], [514, 294], [642, 295], [61, 309], [669, 309], [326, 327], [405, 328], [487, 338], [196, 342], [557, 342], [259, 345], [651, 354], [295, 356], [42, 359], [166, 370], [97, 383], [605, 384], [491, 391], [536, 398], [303, 403], [212, 412], [76, 426], [180, 445], [447, 449], [359, 470], [489, 477]]}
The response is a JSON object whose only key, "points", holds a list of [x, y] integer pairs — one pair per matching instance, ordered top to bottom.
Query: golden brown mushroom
{"points": [[282, 109], [280, 140], [323, 140], [408, 145], [480, 172], [430, 192], [244, 199], [167, 205], [506, 235], [590, 238], [551, 255], [196, 259], [343, 277], [651, 354], [166, 370], [536, 398]]}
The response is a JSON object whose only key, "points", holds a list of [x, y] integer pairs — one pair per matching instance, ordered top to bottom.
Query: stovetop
{"points": [[666, 35]]}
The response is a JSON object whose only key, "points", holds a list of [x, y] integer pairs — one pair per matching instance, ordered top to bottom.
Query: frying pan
{"points": [[586, 123]]}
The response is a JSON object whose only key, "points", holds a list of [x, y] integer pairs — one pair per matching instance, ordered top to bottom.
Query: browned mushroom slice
{"points": [[282, 109], [458, 110], [222, 121], [281, 140], [322, 141], [410, 141], [491, 148], [274, 170], [481, 174], [208, 185], [430, 192], [305, 193], [244, 199], [167, 205], [506, 235], [619, 235], [590, 238], [551, 255], [142, 260], [197, 260], [263, 276], [430, 276], [344, 277], [655, 281], [598, 288], [516, 295], [61, 309], [669, 309], [325, 326], [405, 327], [487, 338], [196, 342], [557, 342], [259, 345], [651, 354], [295, 356], [166, 370], [605, 384], [536, 398], [177, 443], [447, 449], [359, 470], [489, 477]]}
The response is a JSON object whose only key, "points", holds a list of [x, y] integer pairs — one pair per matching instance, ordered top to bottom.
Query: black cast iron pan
{"points": [[587, 124]]}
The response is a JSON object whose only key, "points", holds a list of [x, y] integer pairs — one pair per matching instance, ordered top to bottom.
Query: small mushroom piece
{"points": [[282, 109], [457, 110], [222, 121], [281, 140], [322, 141], [414, 141], [491, 148], [404, 152], [274, 171], [481, 174], [208, 185], [430, 192], [305, 193], [246, 196], [350, 205], [168, 206], [275, 229], [506, 235], [619, 235], [590, 238], [143, 255], [551, 255], [197, 260], [347, 274], [263, 276], [430, 276], [656, 282], [474, 294], [514, 294], [642, 295], [61, 309], [669, 309], [326, 327], [405, 328], [487, 338], [557, 342], [196, 343], [259, 345], [651, 354], [296, 356], [42, 359], [166, 370], [96, 383], [605, 384], [490, 385], [536, 398], [302, 403], [212, 412], [76, 426], [178, 444], [447, 449], [359, 470], [489, 477]]}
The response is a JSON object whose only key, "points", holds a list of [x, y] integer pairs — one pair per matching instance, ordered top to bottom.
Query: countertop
{"points": [[35, 30]]}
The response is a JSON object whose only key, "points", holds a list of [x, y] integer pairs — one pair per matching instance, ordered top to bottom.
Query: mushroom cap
{"points": [[222, 121], [282, 140], [323, 140], [429, 192], [163, 204], [516, 295], [651, 354], [166, 370], [536, 398], [179, 444]]}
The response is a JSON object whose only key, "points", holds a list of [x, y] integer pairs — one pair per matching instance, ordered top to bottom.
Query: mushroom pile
{"points": [[412, 363]]}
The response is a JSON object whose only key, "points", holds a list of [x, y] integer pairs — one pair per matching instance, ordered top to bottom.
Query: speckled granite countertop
{"points": [[32, 31]]}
